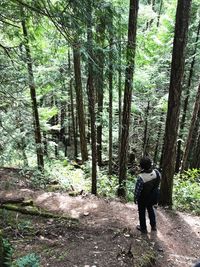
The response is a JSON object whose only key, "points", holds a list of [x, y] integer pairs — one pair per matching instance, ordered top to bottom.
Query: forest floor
{"points": [[105, 234]]}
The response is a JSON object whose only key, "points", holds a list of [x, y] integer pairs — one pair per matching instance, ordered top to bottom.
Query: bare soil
{"points": [[104, 236]]}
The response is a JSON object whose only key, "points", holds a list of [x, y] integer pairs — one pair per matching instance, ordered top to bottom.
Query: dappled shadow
{"points": [[179, 234], [177, 241]]}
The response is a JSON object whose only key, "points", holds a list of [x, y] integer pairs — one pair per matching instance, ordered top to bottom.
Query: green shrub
{"points": [[107, 185], [187, 191]]}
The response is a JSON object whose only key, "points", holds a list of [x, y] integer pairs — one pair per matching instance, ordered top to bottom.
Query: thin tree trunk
{"points": [[153, 4], [159, 13], [177, 70], [110, 77], [100, 83], [119, 86], [120, 90], [91, 97], [79, 102], [185, 106], [63, 110], [36, 121], [73, 121], [191, 129], [146, 130], [22, 143], [45, 143], [124, 144], [194, 144], [196, 155], [155, 158]]}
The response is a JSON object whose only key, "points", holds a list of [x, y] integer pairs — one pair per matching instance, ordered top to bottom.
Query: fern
{"points": [[7, 253], [30, 260]]}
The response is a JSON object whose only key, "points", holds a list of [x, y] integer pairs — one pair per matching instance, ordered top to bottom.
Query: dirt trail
{"points": [[105, 224]]}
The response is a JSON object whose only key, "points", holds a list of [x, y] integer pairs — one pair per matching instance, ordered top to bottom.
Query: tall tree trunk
{"points": [[153, 5], [159, 13], [177, 70], [110, 77], [100, 82], [119, 84], [120, 88], [91, 97], [79, 102], [185, 106], [63, 111], [73, 120], [36, 121], [191, 129], [146, 130], [55, 132], [45, 143], [124, 144], [193, 149], [196, 154], [155, 158]]}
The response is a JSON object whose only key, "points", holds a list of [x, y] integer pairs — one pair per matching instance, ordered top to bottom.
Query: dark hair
{"points": [[145, 163]]}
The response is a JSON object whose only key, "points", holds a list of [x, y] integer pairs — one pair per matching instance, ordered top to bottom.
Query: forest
{"points": [[87, 89]]}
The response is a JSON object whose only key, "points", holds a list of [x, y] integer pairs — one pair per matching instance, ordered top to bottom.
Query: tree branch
{"points": [[8, 23]]}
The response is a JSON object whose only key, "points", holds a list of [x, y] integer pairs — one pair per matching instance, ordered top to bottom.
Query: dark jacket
{"points": [[146, 189]]}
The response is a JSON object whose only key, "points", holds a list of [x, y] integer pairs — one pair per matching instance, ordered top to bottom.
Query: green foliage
{"points": [[68, 174], [39, 179], [107, 185], [130, 186], [187, 191], [7, 253], [30, 260]]}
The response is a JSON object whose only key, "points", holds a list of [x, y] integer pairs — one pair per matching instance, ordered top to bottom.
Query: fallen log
{"points": [[13, 200], [37, 212]]}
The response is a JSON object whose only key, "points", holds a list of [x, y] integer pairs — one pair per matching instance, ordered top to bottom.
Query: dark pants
{"points": [[142, 215]]}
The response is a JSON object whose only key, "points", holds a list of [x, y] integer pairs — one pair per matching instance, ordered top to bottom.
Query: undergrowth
{"points": [[66, 175], [186, 191]]}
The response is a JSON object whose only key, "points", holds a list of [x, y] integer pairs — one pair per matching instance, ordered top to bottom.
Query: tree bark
{"points": [[159, 13], [130, 57], [100, 59], [110, 78], [175, 88], [120, 89], [91, 97], [79, 102], [185, 106], [72, 110], [36, 121], [73, 121], [145, 139], [193, 150], [196, 154], [155, 158], [185, 162], [12, 200]]}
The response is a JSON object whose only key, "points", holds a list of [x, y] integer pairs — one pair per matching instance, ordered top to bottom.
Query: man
{"points": [[146, 194]]}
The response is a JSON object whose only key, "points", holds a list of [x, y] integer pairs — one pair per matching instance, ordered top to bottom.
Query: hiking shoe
{"points": [[153, 228], [144, 231]]}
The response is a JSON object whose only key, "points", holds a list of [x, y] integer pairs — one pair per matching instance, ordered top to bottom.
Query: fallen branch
{"points": [[11, 200], [36, 212]]}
